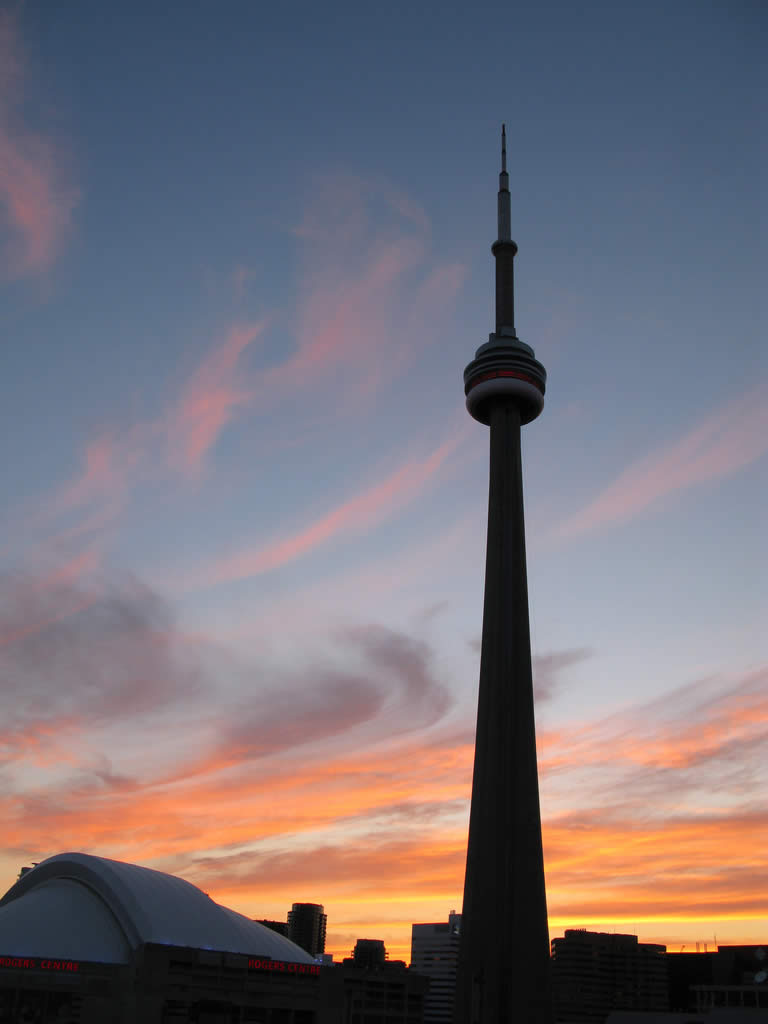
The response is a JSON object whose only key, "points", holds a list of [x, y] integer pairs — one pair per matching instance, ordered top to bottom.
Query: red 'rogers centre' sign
{"points": [[35, 963], [260, 964]]}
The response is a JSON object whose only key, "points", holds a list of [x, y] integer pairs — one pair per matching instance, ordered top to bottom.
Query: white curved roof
{"points": [[80, 907]]}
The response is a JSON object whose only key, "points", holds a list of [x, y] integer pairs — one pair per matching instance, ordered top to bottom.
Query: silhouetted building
{"points": [[281, 927], [306, 927], [369, 953], [434, 953], [503, 970], [685, 970], [594, 973], [731, 977], [377, 990], [735, 1015]]}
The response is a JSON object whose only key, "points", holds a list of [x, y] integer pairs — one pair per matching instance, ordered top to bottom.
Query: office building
{"points": [[434, 953], [594, 973]]}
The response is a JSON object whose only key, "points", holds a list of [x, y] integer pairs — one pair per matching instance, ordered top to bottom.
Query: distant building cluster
{"points": [[87, 940], [600, 977]]}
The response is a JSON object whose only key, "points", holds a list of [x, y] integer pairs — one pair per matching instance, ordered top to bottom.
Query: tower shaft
{"points": [[504, 958]]}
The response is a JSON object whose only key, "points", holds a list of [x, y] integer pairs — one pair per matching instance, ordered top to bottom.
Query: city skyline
{"points": [[243, 508]]}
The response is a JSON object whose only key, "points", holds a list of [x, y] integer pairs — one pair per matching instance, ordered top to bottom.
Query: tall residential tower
{"points": [[306, 927], [503, 971]]}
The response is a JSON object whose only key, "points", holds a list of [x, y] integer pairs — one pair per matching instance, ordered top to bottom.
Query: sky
{"points": [[244, 260]]}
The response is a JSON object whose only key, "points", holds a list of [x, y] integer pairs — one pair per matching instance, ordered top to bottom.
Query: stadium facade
{"points": [[86, 940]]}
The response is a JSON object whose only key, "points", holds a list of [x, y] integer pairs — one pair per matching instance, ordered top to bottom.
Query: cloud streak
{"points": [[37, 200], [368, 299], [210, 398], [719, 446], [361, 512]]}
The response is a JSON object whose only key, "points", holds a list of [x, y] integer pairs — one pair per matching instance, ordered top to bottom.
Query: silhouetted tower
{"points": [[306, 927], [369, 953], [503, 971]]}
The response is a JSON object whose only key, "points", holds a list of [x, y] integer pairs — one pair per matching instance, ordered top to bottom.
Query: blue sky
{"points": [[245, 259]]}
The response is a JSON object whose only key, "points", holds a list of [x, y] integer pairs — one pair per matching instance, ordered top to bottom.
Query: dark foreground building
{"points": [[306, 927], [85, 940], [94, 941], [434, 952], [503, 971], [594, 973], [729, 977], [377, 990]]}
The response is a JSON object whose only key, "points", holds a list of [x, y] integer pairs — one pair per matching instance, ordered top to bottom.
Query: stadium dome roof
{"points": [[79, 907]]}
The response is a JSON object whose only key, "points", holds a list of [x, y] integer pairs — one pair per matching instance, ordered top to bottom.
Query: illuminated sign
{"points": [[33, 963], [259, 964]]}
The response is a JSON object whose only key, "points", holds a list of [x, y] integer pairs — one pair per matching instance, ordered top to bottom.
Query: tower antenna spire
{"points": [[505, 216]]}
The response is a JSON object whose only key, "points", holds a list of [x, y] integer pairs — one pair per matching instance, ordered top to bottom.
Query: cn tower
{"points": [[503, 970]]}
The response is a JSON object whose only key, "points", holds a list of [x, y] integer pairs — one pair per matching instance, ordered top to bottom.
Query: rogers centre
{"points": [[86, 940]]}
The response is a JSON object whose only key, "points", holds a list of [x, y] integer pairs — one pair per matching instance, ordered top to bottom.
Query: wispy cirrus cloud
{"points": [[36, 197], [368, 299], [210, 397], [719, 446], [361, 512]]}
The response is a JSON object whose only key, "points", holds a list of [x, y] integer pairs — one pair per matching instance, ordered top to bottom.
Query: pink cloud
{"points": [[38, 204], [367, 301], [210, 398], [719, 446], [115, 462], [98, 475], [363, 511]]}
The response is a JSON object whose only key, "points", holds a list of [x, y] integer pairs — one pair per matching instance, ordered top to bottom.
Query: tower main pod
{"points": [[503, 970]]}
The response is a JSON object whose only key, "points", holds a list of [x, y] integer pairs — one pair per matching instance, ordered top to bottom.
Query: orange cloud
{"points": [[38, 204], [719, 446], [347, 784], [377, 831]]}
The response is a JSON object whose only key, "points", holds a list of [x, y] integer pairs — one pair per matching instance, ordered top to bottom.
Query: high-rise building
{"points": [[306, 927], [434, 952], [369, 954], [503, 971], [594, 973]]}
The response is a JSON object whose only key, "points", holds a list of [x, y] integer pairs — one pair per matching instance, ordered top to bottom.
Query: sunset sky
{"points": [[244, 259]]}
